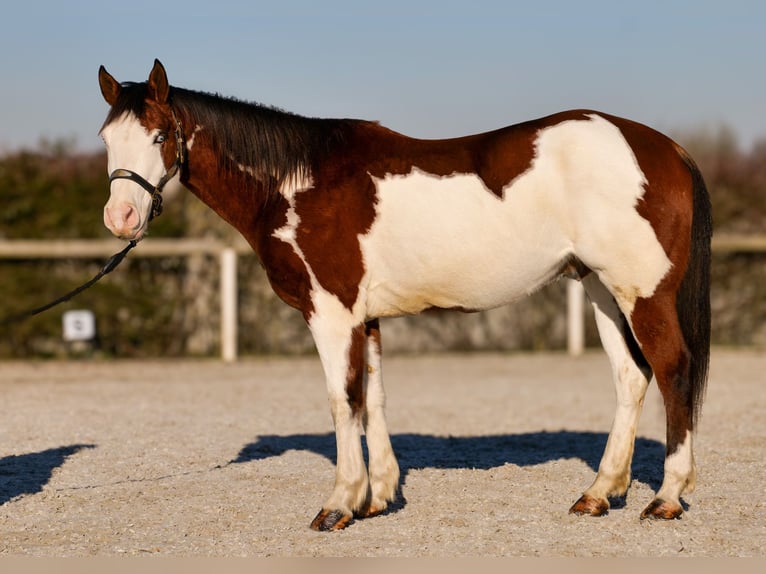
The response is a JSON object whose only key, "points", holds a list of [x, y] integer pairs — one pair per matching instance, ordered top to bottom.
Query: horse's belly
{"points": [[451, 243], [396, 295]]}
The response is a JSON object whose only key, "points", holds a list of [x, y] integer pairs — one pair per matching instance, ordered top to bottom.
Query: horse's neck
{"points": [[235, 195]]}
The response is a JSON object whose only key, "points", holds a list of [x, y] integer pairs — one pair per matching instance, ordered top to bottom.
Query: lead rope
{"points": [[108, 267]]}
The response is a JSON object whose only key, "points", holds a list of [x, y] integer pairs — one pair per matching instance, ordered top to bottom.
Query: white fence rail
{"points": [[103, 248], [227, 257]]}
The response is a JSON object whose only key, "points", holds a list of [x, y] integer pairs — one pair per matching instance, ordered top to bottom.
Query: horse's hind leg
{"points": [[666, 349], [631, 376], [383, 468]]}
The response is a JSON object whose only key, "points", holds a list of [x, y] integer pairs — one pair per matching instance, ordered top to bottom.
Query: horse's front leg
{"points": [[341, 344], [384, 470]]}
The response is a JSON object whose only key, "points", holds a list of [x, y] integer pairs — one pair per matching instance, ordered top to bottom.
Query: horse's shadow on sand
{"points": [[417, 451], [28, 473]]}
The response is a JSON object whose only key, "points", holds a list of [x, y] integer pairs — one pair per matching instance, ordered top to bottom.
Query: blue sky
{"points": [[427, 69]]}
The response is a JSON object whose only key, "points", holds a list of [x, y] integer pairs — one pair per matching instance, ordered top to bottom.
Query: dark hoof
{"points": [[589, 505], [659, 509], [328, 520]]}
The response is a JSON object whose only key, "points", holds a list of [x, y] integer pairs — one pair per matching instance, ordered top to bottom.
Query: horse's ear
{"points": [[110, 88], [159, 88]]}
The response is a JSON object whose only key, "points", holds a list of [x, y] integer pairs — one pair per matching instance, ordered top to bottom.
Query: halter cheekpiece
{"points": [[155, 191]]}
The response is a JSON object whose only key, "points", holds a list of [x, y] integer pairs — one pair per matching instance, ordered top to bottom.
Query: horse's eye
{"points": [[160, 138]]}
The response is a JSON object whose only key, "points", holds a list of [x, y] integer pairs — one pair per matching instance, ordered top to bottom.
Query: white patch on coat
{"points": [[190, 139], [296, 184], [290, 186], [287, 233], [449, 242], [383, 468], [680, 472], [613, 476]]}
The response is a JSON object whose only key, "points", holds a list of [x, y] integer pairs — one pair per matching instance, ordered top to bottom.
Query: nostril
{"points": [[130, 217], [122, 218]]}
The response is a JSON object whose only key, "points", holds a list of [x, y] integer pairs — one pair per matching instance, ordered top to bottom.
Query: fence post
{"points": [[228, 262], [575, 318]]}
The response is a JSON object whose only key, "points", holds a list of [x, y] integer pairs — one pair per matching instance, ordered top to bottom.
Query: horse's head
{"points": [[145, 149]]}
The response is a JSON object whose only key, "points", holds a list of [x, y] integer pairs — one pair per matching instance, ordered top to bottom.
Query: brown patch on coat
{"points": [[498, 157], [667, 200], [667, 206], [245, 208], [333, 214], [285, 270], [655, 323], [372, 332], [358, 365], [355, 375]]}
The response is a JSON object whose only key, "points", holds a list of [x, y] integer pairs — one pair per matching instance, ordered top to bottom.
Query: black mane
{"points": [[273, 145]]}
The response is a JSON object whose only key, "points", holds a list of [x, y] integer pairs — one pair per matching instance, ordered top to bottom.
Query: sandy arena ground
{"points": [[200, 458]]}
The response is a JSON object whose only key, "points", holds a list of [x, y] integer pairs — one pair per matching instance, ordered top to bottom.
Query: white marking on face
{"points": [[130, 146], [449, 242]]}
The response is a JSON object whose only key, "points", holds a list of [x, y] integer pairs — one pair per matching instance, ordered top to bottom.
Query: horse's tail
{"points": [[693, 300]]}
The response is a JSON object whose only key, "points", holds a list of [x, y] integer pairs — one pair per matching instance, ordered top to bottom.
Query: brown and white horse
{"points": [[354, 222]]}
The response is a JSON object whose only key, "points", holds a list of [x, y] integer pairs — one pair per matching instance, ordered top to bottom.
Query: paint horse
{"points": [[354, 222]]}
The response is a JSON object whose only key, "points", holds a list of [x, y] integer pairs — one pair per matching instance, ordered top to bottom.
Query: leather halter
{"points": [[155, 191]]}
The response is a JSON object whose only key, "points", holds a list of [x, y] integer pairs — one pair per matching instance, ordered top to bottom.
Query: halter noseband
{"points": [[155, 191]]}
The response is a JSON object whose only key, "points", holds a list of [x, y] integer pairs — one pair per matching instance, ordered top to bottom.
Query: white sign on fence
{"points": [[79, 325]]}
